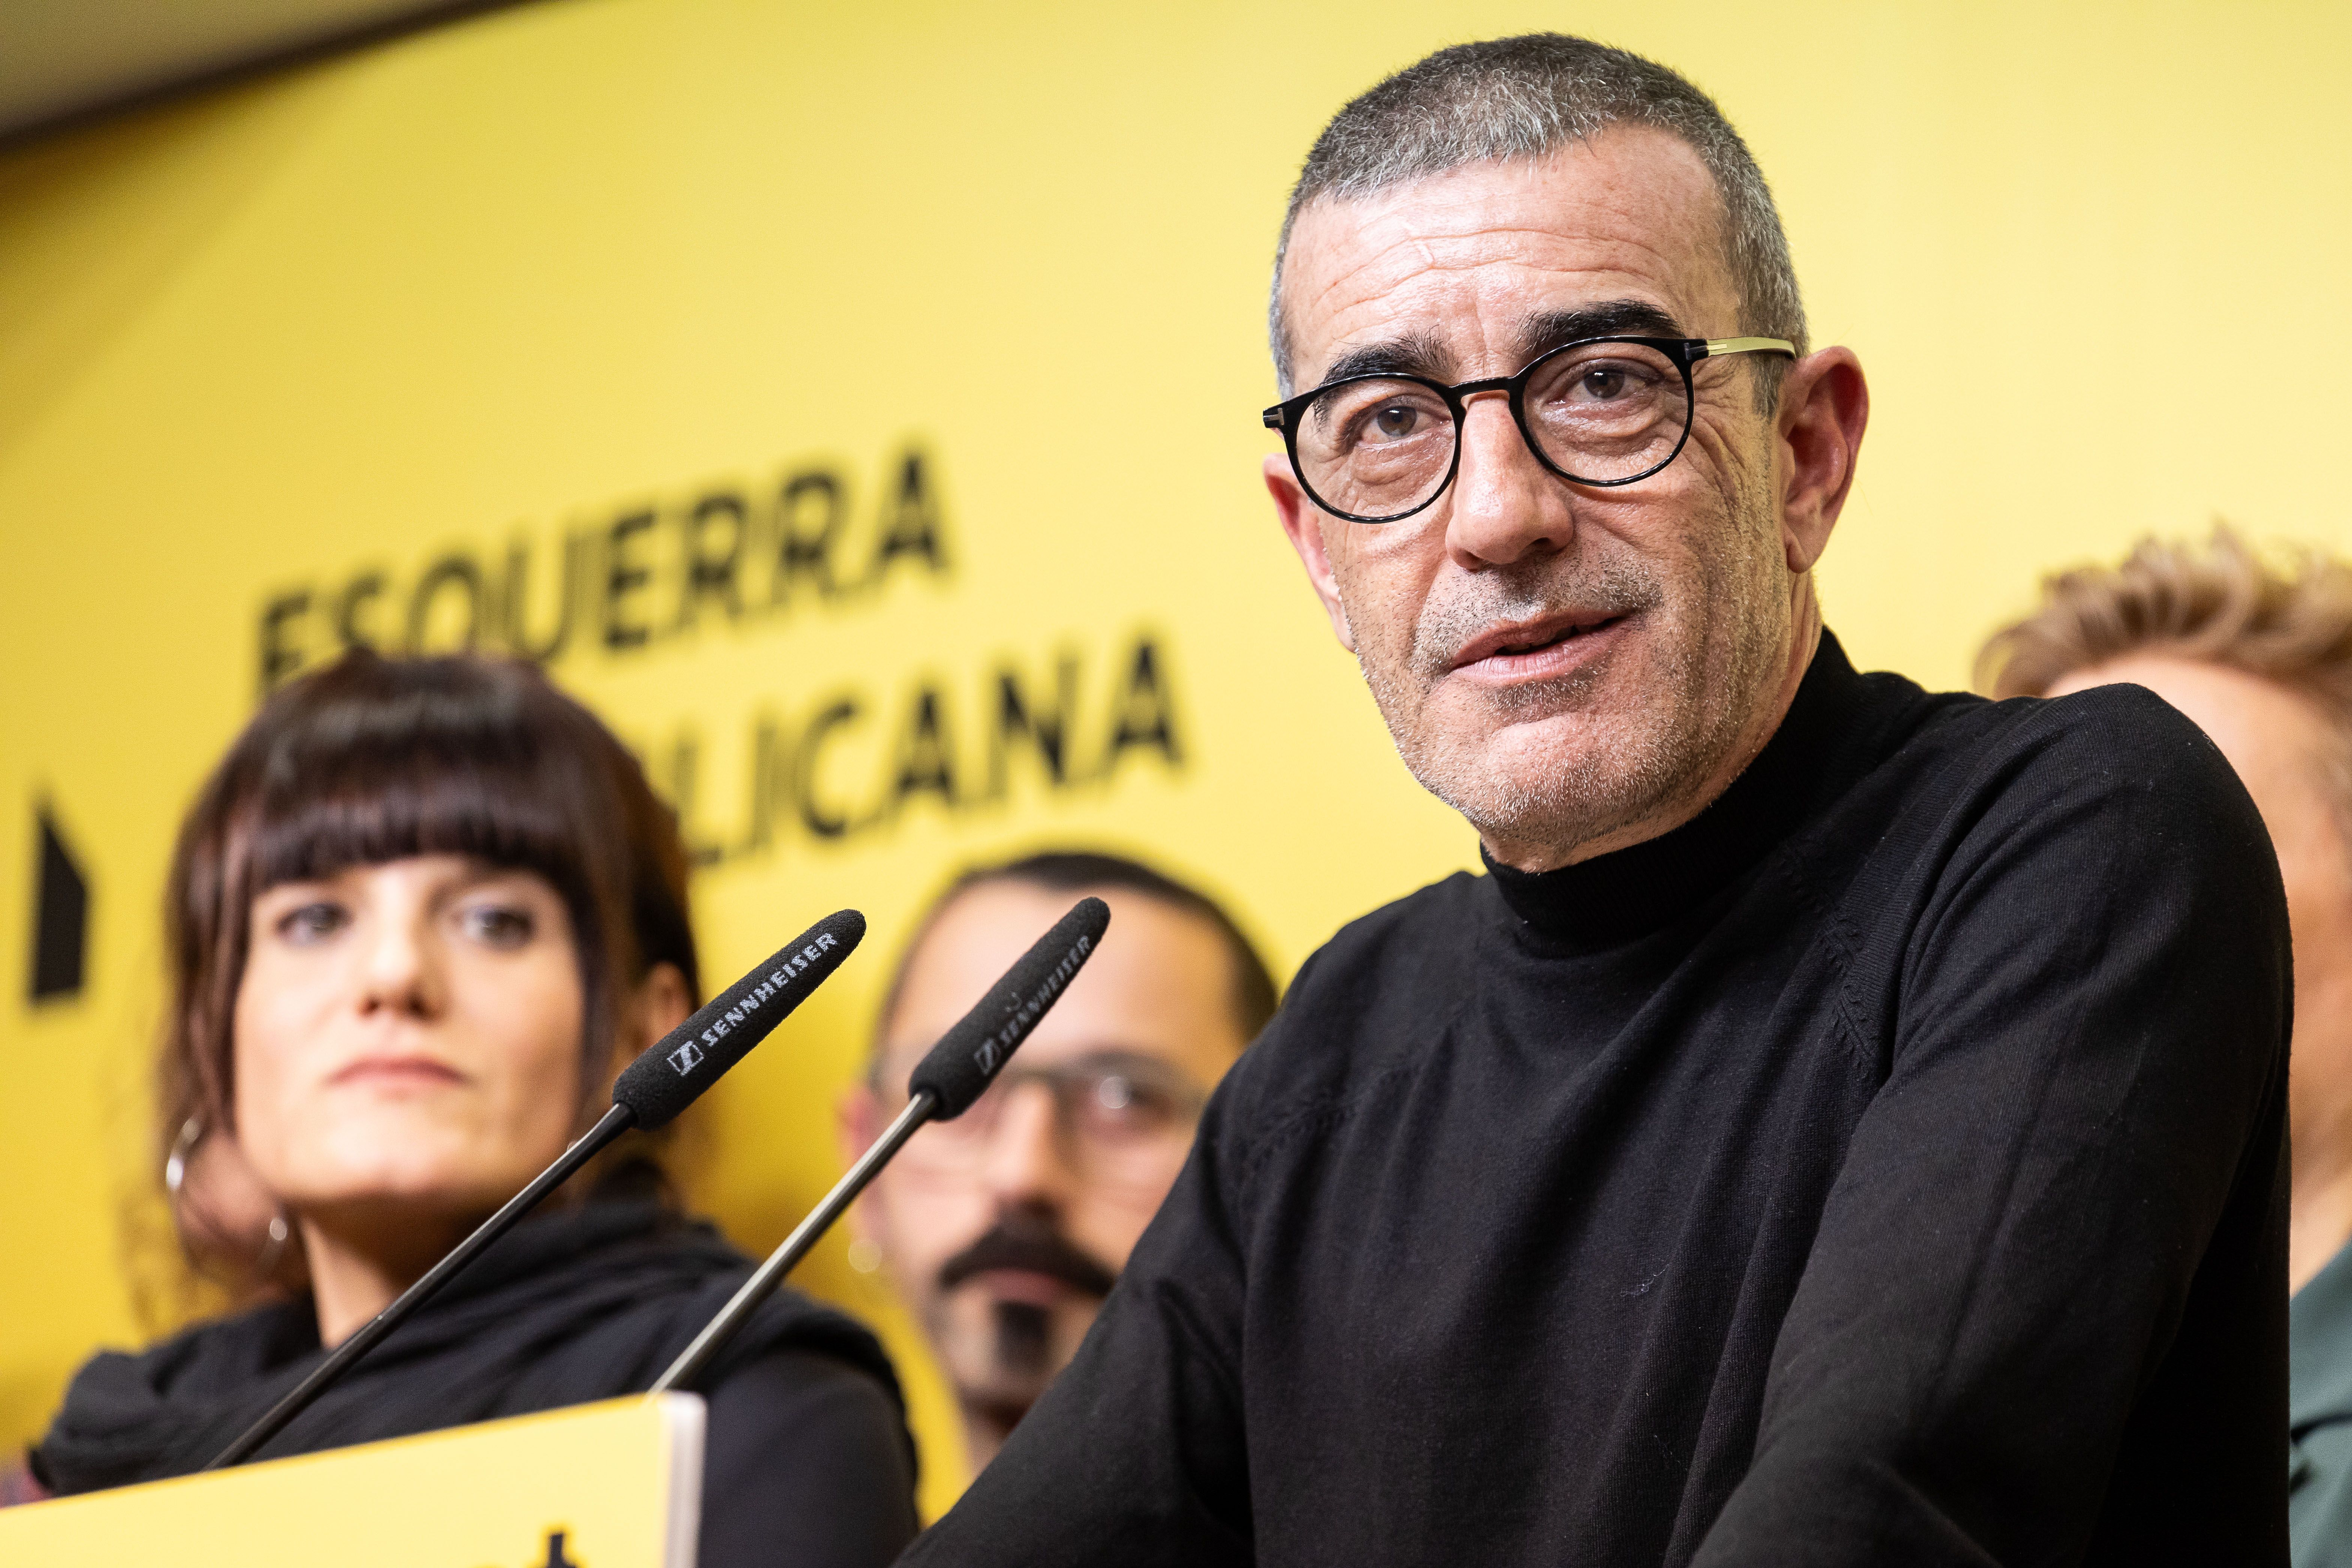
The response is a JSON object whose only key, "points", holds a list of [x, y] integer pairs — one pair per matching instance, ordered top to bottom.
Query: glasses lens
{"points": [[1608, 412], [1376, 448], [1114, 1106], [1113, 1118]]}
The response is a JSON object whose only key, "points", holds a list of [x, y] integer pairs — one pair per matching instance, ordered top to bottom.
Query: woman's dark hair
{"points": [[374, 759]]}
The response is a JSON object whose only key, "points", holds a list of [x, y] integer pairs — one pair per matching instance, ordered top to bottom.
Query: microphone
{"points": [[667, 1076], [942, 1087]]}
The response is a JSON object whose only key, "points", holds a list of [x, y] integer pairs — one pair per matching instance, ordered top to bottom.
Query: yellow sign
{"points": [[615, 1485]]}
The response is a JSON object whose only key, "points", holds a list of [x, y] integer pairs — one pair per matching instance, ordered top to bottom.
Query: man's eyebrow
{"points": [[1611, 319], [1422, 354], [1418, 356], [1112, 1054]]}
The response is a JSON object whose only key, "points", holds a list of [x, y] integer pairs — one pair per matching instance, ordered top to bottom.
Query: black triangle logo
{"points": [[61, 915]]}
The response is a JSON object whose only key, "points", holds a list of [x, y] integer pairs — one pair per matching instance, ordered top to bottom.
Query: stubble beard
{"points": [[1711, 646]]}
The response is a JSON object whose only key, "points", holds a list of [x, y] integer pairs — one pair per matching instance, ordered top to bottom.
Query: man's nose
{"points": [[1505, 503], [1026, 1162]]}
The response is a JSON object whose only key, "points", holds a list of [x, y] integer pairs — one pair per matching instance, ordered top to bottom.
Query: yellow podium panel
{"points": [[615, 1485]]}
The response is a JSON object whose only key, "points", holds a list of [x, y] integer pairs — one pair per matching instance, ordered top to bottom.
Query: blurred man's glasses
{"points": [[1599, 411], [1112, 1109]]}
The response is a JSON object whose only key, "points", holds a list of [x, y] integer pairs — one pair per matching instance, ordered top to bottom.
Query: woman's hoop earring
{"points": [[175, 1164], [175, 1176], [274, 1250]]}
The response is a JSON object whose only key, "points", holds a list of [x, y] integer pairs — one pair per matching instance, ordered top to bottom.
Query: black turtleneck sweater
{"points": [[1884, 1167]]}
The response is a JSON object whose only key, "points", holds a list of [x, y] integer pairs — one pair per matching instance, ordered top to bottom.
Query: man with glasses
{"points": [[1845, 1124], [1004, 1228]]}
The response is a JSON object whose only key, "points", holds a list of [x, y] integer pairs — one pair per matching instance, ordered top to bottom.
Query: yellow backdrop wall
{"points": [[857, 406]]}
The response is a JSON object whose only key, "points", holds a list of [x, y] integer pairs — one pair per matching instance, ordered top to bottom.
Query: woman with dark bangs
{"points": [[419, 918]]}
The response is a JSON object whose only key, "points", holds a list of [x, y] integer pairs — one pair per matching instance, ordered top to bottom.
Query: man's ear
{"points": [[1824, 405], [1302, 524], [856, 1121]]}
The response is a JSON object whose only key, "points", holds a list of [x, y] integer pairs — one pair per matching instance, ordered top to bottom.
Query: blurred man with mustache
{"points": [[1845, 1124], [1005, 1228]]}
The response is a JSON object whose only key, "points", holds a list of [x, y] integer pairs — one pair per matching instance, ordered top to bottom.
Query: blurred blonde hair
{"points": [[2215, 603]]}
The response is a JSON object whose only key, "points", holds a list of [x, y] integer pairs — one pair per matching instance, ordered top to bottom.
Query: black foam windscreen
{"points": [[970, 1056], [678, 1066]]}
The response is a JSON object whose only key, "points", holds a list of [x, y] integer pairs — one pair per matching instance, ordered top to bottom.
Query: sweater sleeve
{"points": [[2088, 1064], [1135, 1455], [805, 1466]]}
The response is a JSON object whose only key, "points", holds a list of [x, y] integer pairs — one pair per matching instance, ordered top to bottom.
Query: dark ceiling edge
{"points": [[304, 54]]}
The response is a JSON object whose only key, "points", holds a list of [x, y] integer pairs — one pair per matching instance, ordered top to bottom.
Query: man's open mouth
{"points": [[1520, 641]]}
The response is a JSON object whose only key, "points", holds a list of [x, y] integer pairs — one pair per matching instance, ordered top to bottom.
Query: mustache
{"points": [[1612, 585], [1033, 1249]]}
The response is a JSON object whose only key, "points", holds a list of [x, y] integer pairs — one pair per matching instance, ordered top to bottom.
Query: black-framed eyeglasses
{"points": [[1598, 411], [1106, 1100]]}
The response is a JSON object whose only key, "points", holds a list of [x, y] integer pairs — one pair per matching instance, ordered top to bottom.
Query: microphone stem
{"points": [[586, 1147], [768, 1275]]}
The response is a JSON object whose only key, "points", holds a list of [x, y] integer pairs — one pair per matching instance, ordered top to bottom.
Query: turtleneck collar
{"points": [[1616, 898]]}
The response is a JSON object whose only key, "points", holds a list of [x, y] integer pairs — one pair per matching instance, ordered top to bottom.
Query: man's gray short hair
{"points": [[1523, 98]]}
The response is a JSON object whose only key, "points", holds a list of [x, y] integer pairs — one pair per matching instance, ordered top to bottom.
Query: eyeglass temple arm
{"points": [[1714, 346]]}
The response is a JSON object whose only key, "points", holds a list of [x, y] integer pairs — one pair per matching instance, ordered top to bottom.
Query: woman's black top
{"points": [[1883, 1168], [806, 1456]]}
